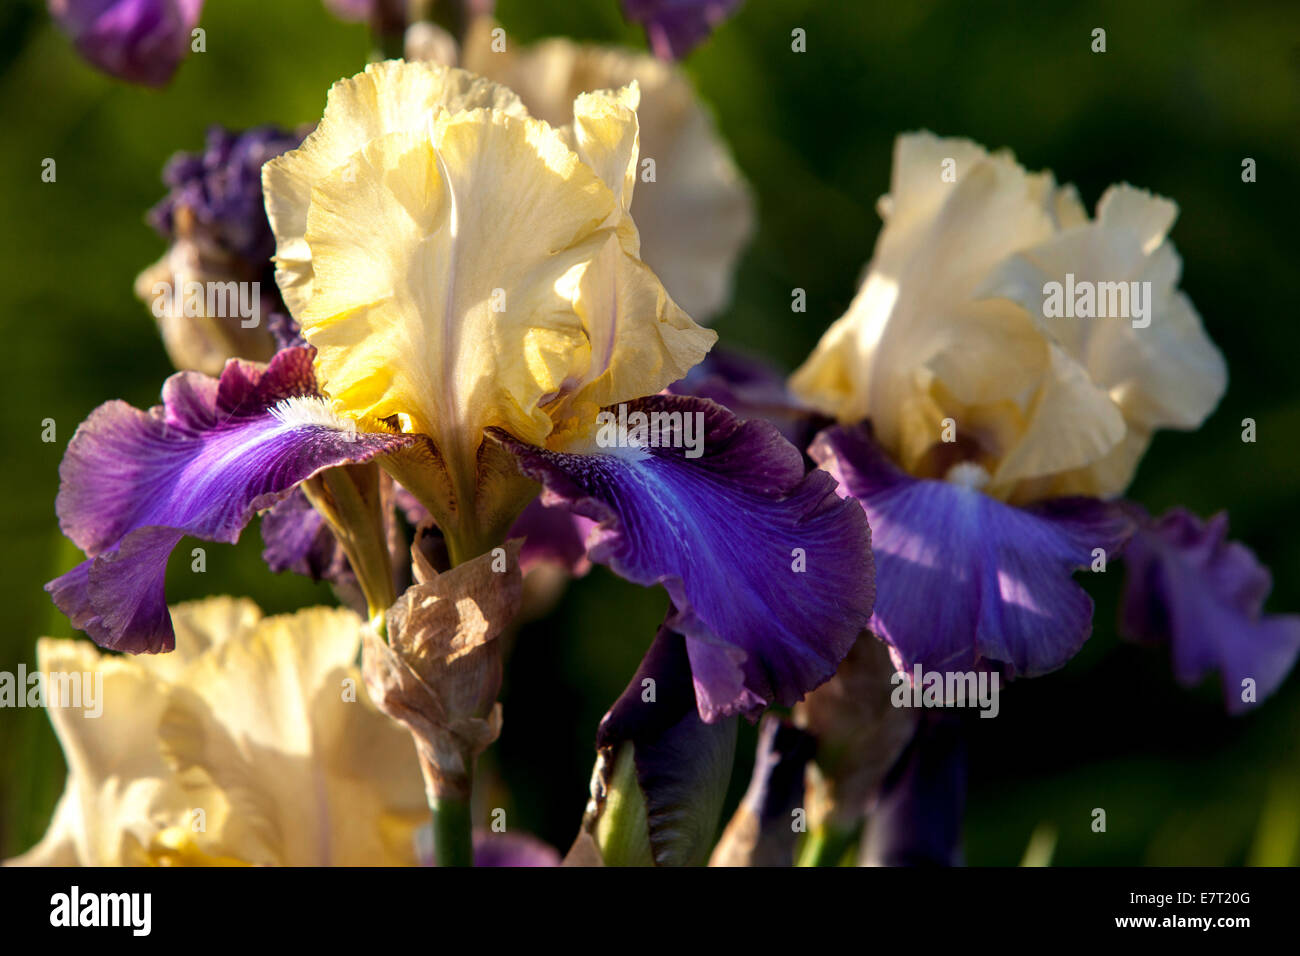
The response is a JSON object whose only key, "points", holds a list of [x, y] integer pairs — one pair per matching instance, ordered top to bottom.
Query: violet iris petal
{"points": [[675, 27], [142, 41], [203, 463], [727, 534], [552, 535], [297, 539], [966, 581], [1189, 587], [918, 819]]}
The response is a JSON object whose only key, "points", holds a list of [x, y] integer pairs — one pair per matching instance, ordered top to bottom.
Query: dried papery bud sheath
{"points": [[440, 672], [860, 734], [661, 772], [763, 830]]}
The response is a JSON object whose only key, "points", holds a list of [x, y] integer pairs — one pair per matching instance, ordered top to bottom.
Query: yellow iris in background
{"points": [[950, 343], [252, 743]]}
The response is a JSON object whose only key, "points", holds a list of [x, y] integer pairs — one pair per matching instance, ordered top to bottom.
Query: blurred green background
{"points": [[1184, 92]]}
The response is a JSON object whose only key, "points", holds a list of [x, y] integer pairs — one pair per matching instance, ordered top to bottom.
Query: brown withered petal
{"points": [[440, 672]]}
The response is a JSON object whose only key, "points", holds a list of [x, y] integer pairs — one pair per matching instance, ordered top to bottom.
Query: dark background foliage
{"points": [[1185, 91]]}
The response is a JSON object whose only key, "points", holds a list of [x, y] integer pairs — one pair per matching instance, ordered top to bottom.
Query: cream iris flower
{"points": [[459, 265], [950, 323], [262, 724]]}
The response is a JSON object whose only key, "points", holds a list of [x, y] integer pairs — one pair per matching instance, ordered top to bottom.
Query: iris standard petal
{"points": [[203, 463], [769, 571], [966, 581]]}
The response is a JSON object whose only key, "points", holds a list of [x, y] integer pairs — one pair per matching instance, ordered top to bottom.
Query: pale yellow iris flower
{"points": [[460, 265], [950, 335], [252, 743]]}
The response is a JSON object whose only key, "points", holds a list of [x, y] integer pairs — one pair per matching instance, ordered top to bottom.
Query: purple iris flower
{"points": [[675, 27], [142, 41], [1190, 588], [917, 820], [512, 849]]}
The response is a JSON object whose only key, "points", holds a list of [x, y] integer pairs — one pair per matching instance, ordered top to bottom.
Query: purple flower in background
{"points": [[675, 27], [142, 41], [220, 188], [215, 222], [1192, 589], [917, 820], [512, 849]]}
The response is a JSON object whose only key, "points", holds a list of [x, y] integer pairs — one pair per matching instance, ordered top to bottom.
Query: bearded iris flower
{"points": [[468, 280], [988, 436]]}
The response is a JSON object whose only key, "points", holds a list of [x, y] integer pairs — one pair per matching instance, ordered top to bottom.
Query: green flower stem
{"points": [[453, 835]]}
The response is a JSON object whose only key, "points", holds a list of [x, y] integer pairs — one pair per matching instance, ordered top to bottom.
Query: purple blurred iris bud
{"points": [[675, 27], [142, 41], [215, 221], [1191, 588]]}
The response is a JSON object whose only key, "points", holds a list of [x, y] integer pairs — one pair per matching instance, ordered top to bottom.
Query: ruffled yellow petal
{"points": [[388, 97], [436, 274]]}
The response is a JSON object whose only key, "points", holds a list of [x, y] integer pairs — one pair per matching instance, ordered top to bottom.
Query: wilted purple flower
{"points": [[675, 27], [142, 41], [1189, 587]]}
